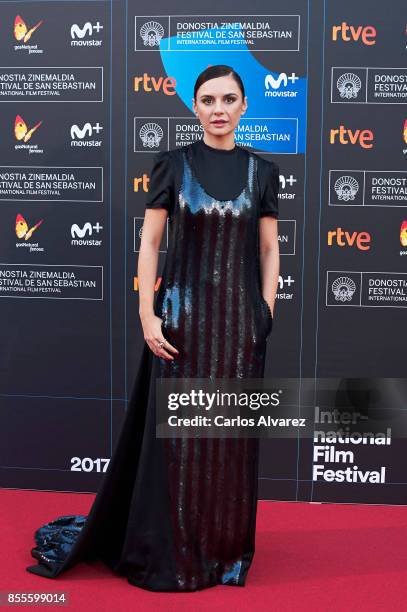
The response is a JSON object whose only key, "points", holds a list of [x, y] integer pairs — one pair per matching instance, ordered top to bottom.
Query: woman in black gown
{"points": [[180, 514]]}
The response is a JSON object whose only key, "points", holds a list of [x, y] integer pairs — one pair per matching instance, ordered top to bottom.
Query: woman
{"points": [[179, 514]]}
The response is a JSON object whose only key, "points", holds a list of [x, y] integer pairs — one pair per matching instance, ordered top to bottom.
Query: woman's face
{"points": [[219, 105]]}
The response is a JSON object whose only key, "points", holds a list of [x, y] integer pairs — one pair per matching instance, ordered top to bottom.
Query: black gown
{"points": [[180, 514]]}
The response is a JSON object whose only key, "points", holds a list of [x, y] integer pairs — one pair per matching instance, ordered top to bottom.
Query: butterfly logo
{"points": [[21, 31], [21, 130], [22, 230]]}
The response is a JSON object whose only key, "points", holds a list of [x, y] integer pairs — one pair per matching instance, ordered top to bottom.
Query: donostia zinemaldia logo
{"points": [[151, 33], [349, 85], [151, 135], [346, 188], [343, 289]]}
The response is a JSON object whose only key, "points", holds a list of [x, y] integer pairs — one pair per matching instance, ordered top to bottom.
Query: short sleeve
{"points": [[269, 180], [161, 185]]}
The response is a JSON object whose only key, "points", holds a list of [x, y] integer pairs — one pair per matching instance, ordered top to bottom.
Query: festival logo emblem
{"points": [[151, 33], [349, 85], [151, 135], [346, 188], [343, 289]]}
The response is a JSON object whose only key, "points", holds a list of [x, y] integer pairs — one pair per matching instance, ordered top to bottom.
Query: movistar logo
{"points": [[85, 30], [85, 36], [277, 87], [86, 130], [88, 228], [78, 235]]}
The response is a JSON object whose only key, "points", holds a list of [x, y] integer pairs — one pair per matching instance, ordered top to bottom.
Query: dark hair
{"points": [[217, 71]]}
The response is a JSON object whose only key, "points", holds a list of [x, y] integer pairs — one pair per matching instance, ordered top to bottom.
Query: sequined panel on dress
{"points": [[213, 313]]}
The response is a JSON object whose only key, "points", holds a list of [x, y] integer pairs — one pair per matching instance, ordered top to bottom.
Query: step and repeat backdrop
{"points": [[90, 90]]}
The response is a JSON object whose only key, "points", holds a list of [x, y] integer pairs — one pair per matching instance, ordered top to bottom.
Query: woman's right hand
{"points": [[153, 335]]}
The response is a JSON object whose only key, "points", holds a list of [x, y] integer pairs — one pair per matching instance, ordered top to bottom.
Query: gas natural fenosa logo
{"points": [[21, 30], [22, 34], [21, 130], [23, 134], [24, 233], [403, 237]]}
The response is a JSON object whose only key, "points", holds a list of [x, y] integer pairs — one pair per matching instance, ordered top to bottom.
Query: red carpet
{"points": [[308, 557]]}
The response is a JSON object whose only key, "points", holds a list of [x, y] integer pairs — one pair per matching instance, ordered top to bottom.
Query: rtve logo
{"points": [[350, 33], [150, 83], [345, 136], [140, 183], [342, 238], [136, 284]]}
